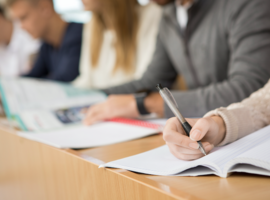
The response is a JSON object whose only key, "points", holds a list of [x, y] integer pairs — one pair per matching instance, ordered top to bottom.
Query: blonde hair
{"points": [[11, 2], [122, 17]]}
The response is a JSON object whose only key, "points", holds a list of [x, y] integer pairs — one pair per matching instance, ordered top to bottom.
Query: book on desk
{"points": [[50, 112], [250, 154]]}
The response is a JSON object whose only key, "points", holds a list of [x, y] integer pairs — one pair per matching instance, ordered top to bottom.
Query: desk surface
{"points": [[31, 170]]}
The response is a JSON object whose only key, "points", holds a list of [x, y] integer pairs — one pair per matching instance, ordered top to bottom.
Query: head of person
{"points": [[1, 11], [34, 15], [121, 17], [2, 19], [5, 27]]}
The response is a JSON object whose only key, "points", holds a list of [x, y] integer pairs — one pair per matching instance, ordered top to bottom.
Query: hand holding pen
{"points": [[178, 130]]}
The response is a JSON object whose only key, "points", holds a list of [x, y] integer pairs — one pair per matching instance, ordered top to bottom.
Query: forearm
{"points": [[127, 88], [246, 117], [221, 127]]}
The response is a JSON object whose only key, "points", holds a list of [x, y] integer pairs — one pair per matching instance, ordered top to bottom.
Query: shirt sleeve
{"points": [[248, 30], [160, 70], [246, 117]]}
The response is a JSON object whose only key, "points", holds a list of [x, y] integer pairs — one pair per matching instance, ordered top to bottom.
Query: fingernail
{"points": [[195, 135], [194, 145]]}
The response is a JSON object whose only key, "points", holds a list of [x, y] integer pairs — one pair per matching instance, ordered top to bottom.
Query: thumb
{"points": [[200, 129]]}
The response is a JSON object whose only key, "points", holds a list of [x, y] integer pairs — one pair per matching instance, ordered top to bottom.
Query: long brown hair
{"points": [[122, 16]]}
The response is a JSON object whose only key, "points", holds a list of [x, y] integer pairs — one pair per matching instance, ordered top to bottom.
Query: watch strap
{"points": [[140, 103]]}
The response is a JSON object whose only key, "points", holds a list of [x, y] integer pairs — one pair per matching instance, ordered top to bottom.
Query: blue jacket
{"points": [[60, 64]]}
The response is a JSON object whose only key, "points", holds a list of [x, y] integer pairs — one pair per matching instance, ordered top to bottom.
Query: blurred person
{"points": [[118, 42], [220, 47], [17, 48], [60, 52], [220, 127]]}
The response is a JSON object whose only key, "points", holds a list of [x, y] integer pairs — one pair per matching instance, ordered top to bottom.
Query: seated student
{"points": [[118, 43], [220, 47], [16, 48], [60, 52], [220, 126]]}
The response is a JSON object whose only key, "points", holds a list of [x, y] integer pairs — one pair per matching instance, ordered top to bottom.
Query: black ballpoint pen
{"points": [[168, 98]]}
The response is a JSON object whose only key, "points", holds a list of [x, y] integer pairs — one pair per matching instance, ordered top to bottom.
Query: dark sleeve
{"points": [[249, 65], [68, 67], [40, 68], [160, 70]]}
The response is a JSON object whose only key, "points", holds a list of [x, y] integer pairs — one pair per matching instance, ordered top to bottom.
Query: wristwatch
{"points": [[140, 102]]}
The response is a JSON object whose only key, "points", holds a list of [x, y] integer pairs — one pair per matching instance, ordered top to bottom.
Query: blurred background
{"points": [[72, 10]]}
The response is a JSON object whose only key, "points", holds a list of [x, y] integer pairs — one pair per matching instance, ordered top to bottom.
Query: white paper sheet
{"points": [[104, 133], [254, 148]]}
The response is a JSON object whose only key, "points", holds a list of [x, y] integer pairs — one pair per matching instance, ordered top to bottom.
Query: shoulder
{"points": [[150, 7], [151, 11], [149, 16]]}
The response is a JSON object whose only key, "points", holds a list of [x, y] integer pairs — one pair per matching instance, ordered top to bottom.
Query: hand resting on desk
{"points": [[114, 106], [123, 106], [210, 131]]}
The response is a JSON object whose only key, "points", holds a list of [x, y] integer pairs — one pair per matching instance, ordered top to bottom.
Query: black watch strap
{"points": [[140, 103]]}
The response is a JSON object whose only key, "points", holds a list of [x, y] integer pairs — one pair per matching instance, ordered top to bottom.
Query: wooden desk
{"points": [[33, 171]]}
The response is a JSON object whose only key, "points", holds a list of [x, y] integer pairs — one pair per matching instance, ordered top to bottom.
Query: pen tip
{"points": [[202, 150]]}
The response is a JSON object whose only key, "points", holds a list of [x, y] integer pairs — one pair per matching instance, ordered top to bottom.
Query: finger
{"points": [[84, 110], [92, 115], [95, 119], [173, 124], [200, 129], [177, 138], [206, 146], [182, 150], [187, 154]]}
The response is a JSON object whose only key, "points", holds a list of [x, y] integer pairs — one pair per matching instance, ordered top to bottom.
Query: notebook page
{"points": [[48, 95], [90, 136], [221, 156], [258, 156], [158, 161], [161, 162], [246, 168]]}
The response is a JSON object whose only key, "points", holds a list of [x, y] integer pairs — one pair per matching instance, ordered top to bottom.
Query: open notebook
{"points": [[41, 105], [104, 133], [250, 154]]}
